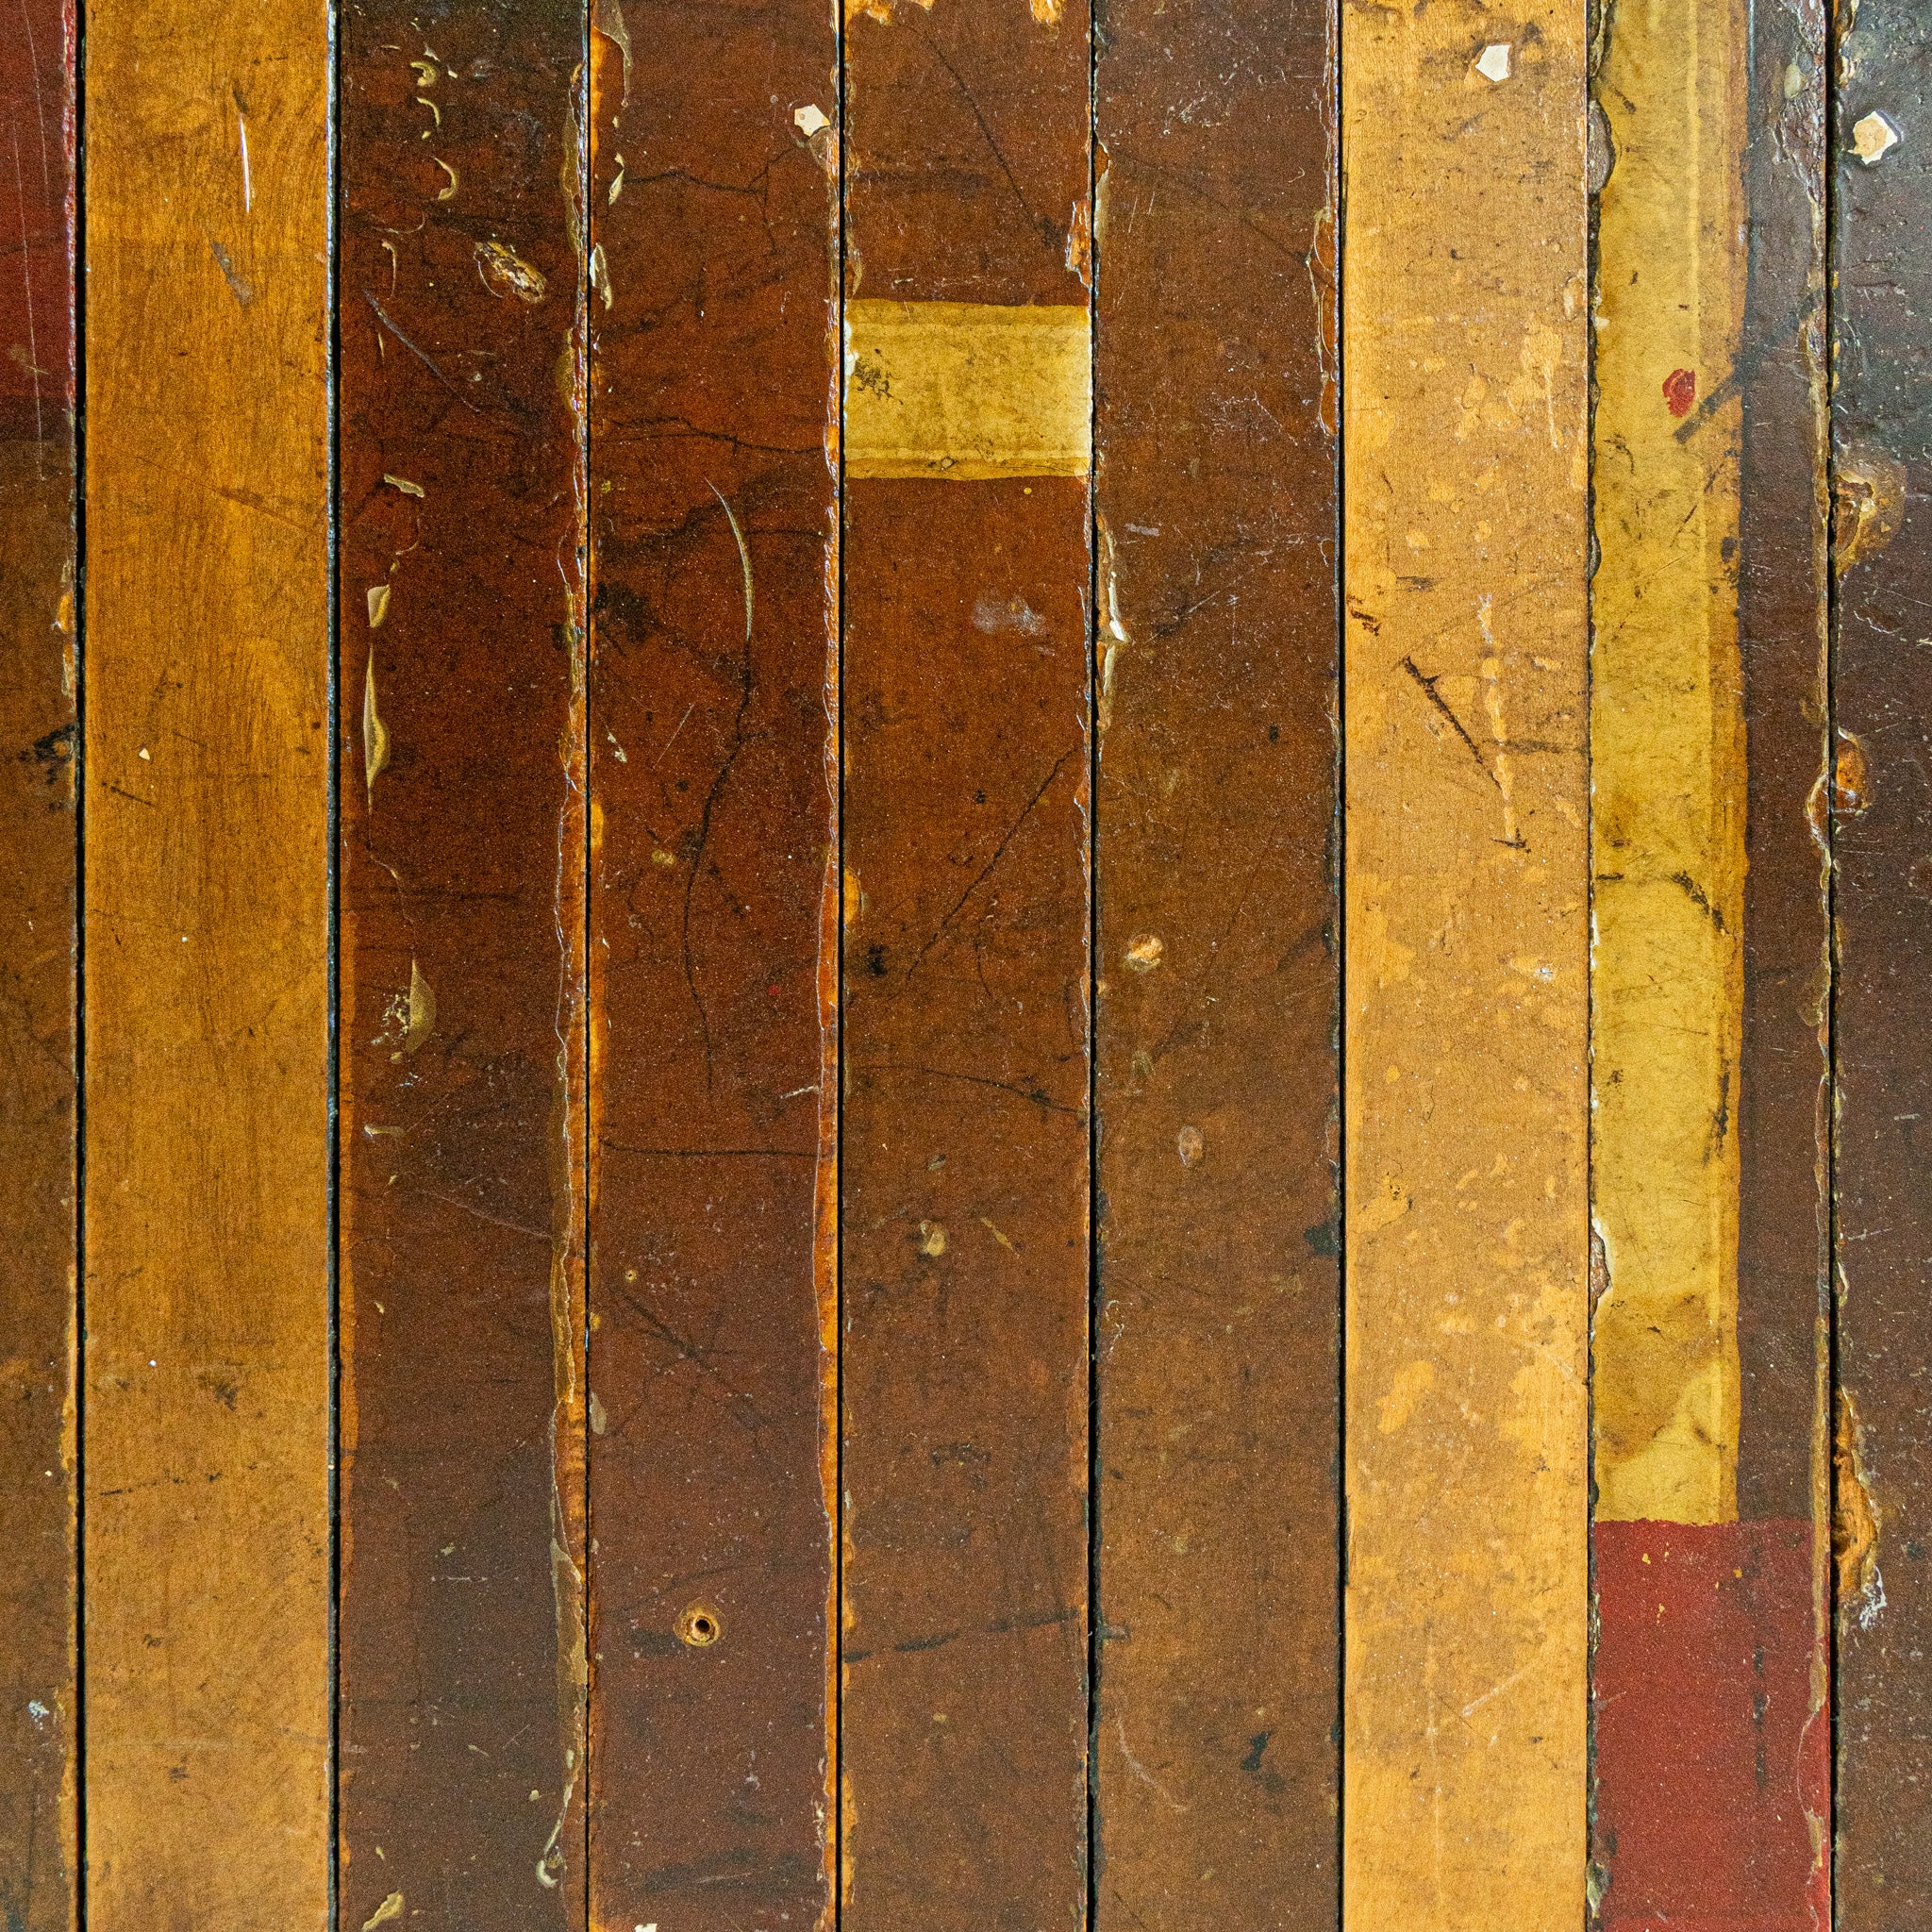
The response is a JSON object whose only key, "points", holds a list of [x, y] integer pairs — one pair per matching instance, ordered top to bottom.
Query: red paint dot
{"points": [[1681, 391], [773, 991]]}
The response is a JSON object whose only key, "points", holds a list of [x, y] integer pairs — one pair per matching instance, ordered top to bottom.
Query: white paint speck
{"points": [[1493, 63], [809, 120]]}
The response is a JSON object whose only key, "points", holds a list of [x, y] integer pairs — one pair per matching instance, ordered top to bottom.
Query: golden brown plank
{"points": [[1466, 910], [206, 1371], [38, 1874]]}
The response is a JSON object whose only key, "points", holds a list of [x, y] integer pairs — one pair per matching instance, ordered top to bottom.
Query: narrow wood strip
{"points": [[1882, 437], [207, 759], [1466, 926], [714, 932], [965, 1186], [462, 1674], [1711, 1746], [1217, 1761], [38, 1889]]}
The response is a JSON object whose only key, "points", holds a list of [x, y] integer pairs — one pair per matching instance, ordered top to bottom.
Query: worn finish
{"points": [[1882, 435], [38, 670], [1667, 766], [462, 856], [1465, 933], [714, 934], [965, 1189], [206, 1369], [1219, 1448]]}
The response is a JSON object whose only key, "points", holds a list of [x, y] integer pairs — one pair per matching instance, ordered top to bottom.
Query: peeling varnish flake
{"points": [[1048, 12], [606, 18], [424, 71], [423, 101], [809, 119], [1875, 137], [616, 184], [449, 192], [1080, 245], [503, 270], [600, 273], [403, 484], [378, 608], [375, 732], [421, 1010], [599, 1421], [1856, 1526], [391, 1907]]}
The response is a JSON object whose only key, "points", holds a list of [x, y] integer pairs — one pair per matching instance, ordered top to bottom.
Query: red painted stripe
{"points": [[1711, 1767]]}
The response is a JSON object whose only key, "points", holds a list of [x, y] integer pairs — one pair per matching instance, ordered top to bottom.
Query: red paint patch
{"points": [[1680, 390], [1709, 1755]]}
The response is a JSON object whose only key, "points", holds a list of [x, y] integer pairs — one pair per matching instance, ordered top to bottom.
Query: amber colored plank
{"points": [[1882, 437], [462, 862], [1466, 910], [714, 934], [964, 1201], [206, 1367], [1710, 1745], [1216, 1765], [39, 1891]]}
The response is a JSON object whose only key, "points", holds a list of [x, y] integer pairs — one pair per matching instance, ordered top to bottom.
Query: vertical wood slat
{"points": [[1882, 448], [206, 908], [714, 932], [1466, 1004], [964, 1201], [463, 1672], [1712, 1747], [1216, 1757], [39, 1876]]}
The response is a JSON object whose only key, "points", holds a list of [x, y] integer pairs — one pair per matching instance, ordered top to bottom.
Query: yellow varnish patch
{"points": [[966, 391], [1667, 735]]}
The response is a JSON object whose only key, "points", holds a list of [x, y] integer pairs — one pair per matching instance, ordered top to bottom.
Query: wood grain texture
{"points": [[1882, 436], [205, 821], [714, 938], [964, 1203], [463, 1672], [1464, 1758], [1216, 1761], [39, 1891]]}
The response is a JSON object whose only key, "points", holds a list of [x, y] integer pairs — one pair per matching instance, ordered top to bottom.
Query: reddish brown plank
{"points": [[1882, 447], [463, 852], [713, 933], [964, 1207], [1218, 1426], [38, 1889]]}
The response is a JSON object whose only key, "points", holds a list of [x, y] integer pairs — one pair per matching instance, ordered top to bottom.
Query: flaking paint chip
{"points": [[1493, 63], [809, 119], [1874, 138], [1143, 952], [391, 1907]]}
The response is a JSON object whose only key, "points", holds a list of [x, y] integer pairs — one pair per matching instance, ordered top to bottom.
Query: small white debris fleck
{"points": [[1493, 63], [809, 119], [1875, 137], [145, 758], [37, 1710]]}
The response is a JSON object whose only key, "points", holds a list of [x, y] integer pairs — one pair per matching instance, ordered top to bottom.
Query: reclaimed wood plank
{"points": [[714, 224], [1882, 449], [1465, 931], [39, 965], [964, 1197], [206, 1367], [463, 1672], [1710, 1743], [1216, 1759]]}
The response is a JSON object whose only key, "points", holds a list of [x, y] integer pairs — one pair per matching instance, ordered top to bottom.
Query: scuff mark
{"points": [[237, 286], [1871, 491], [375, 734], [1855, 1522]]}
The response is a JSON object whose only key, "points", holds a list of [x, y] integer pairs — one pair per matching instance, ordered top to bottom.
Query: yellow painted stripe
{"points": [[962, 392], [1668, 762], [1467, 1233]]}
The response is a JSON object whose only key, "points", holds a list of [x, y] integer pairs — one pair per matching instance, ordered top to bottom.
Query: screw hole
{"points": [[699, 1625]]}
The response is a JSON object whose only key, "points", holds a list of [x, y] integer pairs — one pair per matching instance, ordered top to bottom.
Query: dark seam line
{"points": [[76, 255], [1592, 268], [587, 632], [334, 826], [1338, 888], [1094, 1297], [835, 1636]]}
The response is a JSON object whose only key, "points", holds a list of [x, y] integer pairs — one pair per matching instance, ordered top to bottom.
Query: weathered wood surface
{"points": [[1882, 437], [1216, 836], [1465, 934], [714, 954], [965, 1192], [206, 1369], [463, 1663], [1711, 1743], [39, 1891]]}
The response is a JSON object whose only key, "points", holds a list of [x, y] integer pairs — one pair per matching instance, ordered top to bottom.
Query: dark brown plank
{"points": [[1882, 437], [205, 821], [462, 853], [714, 932], [964, 1207], [1219, 1382], [37, 1873]]}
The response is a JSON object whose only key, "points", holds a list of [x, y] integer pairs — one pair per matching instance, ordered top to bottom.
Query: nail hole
{"points": [[698, 1625]]}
